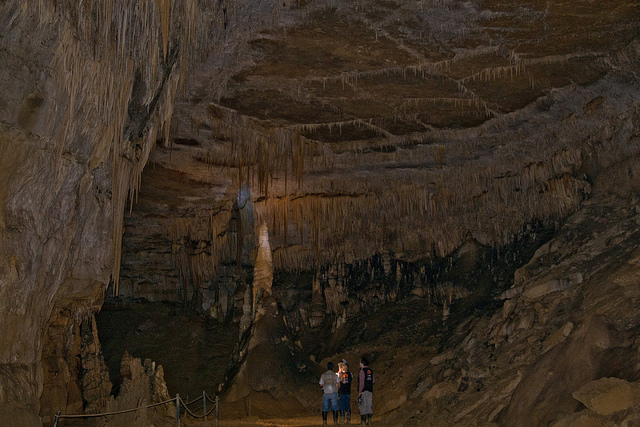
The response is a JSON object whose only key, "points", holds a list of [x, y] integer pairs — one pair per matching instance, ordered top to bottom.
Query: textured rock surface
{"points": [[86, 89], [414, 138], [377, 141], [265, 356], [535, 357], [142, 384], [606, 396]]}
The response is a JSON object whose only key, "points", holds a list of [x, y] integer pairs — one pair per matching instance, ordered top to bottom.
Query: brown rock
{"points": [[606, 396]]}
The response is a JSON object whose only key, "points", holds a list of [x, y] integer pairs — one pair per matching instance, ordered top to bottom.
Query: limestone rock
{"points": [[432, 122], [77, 124], [263, 270], [554, 285], [557, 337], [264, 354], [443, 357], [142, 384], [96, 385], [438, 391], [606, 396], [393, 402], [583, 419]]}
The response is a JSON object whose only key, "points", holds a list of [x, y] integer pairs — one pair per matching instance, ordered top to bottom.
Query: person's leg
{"points": [[326, 401], [367, 405], [342, 406], [334, 407], [347, 407], [361, 409]]}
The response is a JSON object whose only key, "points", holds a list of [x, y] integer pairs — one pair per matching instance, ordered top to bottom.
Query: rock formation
{"points": [[87, 89], [399, 152], [548, 350], [265, 356]]}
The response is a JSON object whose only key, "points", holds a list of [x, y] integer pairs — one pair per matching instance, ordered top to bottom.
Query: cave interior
{"points": [[225, 196]]}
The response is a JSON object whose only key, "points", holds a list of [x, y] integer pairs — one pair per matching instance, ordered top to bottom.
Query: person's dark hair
{"points": [[364, 361], [330, 365]]}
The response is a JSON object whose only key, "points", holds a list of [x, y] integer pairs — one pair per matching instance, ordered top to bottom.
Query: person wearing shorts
{"points": [[329, 384], [365, 392]]}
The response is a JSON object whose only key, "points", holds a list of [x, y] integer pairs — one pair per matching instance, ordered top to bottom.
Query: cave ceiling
{"points": [[403, 126]]}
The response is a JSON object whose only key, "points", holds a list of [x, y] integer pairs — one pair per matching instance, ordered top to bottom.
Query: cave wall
{"points": [[89, 88], [86, 90], [535, 165]]}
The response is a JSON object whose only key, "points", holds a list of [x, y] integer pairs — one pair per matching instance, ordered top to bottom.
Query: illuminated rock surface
{"points": [[450, 187]]}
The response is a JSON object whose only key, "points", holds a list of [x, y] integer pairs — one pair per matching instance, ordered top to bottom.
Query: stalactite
{"points": [[164, 8], [101, 46], [262, 151], [328, 216], [330, 223]]}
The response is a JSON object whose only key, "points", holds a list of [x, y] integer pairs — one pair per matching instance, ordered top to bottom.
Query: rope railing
{"points": [[204, 399], [192, 401], [178, 402], [215, 402], [194, 415]]}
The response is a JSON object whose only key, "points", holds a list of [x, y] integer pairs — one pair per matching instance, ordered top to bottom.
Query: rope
{"points": [[193, 401], [160, 403], [184, 405], [186, 408], [124, 411], [210, 411]]}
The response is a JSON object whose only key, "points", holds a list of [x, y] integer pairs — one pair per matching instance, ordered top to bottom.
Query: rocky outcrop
{"points": [[86, 88], [402, 140], [404, 206], [265, 354], [544, 355], [142, 386], [85, 387], [606, 396]]}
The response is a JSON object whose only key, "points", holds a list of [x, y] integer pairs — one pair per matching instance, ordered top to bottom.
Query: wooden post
{"points": [[204, 406], [217, 407], [178, 408]]}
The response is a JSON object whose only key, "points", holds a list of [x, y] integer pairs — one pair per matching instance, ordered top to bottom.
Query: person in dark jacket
{"points": [[366, 380], [344, 391]]}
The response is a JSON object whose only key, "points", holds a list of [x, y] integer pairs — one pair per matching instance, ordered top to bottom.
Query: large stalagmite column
{"points": [[263, 270], [262, 281], [264, 355]]}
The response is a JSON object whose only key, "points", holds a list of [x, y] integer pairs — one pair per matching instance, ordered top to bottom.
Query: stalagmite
{"points": [[263, 270], [248, 313]]}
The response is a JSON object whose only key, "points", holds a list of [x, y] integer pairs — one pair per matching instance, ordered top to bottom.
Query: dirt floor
{"points": [[256, 422]]}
